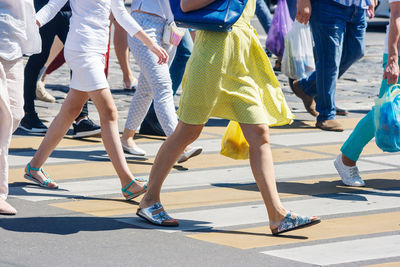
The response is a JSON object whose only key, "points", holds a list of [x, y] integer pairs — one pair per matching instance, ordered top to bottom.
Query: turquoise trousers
{"points": [[365, 129]]}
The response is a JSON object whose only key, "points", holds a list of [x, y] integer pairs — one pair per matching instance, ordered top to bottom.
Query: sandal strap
{"points": [[30, 168], [125, 189]]}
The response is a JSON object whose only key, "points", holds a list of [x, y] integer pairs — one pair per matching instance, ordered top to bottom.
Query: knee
{"points": [[72, 111], [109, 114], [186, 133], [258, 136]]}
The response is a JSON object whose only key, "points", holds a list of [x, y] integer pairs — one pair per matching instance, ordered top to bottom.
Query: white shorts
{"points": [[87, 70]]}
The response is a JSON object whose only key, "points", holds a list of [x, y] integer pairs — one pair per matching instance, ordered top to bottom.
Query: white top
{"points": [[158, 7], [90, 21], [19, 33], [385, 51]]}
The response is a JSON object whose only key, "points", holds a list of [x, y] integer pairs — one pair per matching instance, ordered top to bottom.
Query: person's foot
{"points": [[278, 65], [131, 84], [42, 94], [308, 101], [341, 112], [31, 123], [330, 125], [85, 128], [129, 146], [189, 152], [349, 174], [40, 177], [134, 189], [6, 208], [293, 221]]}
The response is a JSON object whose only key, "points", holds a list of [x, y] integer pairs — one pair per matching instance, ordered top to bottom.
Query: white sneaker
{"points": [[42, 94], [137, 151], [191, 152], [350, 175]]}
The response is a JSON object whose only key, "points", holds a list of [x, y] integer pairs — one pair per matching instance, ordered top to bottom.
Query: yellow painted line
{"points": [[305, 126], [33, 142], [370, 149], [101, 169], [225, 195], [333, 228], [387, 264]]}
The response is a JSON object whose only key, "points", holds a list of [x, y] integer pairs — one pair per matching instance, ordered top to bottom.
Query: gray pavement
{"points": [[223, 219]]}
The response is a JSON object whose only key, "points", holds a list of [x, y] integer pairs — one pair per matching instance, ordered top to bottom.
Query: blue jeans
{"points": [[292, 5], [263, 14], [338, 33], [177, 68], [365, 129]]}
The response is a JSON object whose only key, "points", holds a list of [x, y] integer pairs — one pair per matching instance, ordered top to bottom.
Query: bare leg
{"points": [[122, 52], [70, 109], [109, 132], [127, 138], [169, 152], [262, 167]]}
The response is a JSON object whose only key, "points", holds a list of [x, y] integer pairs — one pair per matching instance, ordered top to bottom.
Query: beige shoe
{"points": [[42, 94], [330, 125], [6, 209]]}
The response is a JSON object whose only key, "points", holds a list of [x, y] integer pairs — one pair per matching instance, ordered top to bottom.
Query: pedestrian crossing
{"points": [[217, 202]]}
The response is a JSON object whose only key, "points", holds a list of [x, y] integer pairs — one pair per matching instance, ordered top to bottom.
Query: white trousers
{"points": [[154, 80], [11, 112]]}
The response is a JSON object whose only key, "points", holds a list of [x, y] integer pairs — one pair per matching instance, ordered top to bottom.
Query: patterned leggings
{"points": [[154, 80]]}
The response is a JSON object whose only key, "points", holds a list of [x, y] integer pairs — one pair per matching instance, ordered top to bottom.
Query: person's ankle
{"points": [[78, 120], [348, 162], [147, 201]]}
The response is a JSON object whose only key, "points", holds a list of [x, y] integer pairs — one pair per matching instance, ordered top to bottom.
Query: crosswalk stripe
{"points": [[33, 142], [369, 149], [138, 165], [227, 189], [367, 201], [330, 228], [343, 252], [387, 264]]}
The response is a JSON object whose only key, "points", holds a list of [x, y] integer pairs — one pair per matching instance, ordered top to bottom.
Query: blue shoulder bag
{"points": [[218, 16]]}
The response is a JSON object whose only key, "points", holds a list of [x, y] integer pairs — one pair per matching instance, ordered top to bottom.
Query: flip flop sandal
{"points": [[45, 183], [134, 195], [162, 218], [292, 222]]}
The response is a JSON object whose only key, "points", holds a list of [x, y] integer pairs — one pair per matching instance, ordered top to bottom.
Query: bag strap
{"points": [[162, 10]]}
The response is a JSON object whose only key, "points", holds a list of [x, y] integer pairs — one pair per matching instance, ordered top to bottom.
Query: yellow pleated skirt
{"points": [[229, 76]]}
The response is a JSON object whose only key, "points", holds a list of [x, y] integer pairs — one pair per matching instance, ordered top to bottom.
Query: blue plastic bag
{"points": [[280, 25], [387, 120]]}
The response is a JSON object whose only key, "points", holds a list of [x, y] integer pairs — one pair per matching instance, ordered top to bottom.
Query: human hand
{"points": [[371, 8], [303, 11], [159, 52], [392, 71]]}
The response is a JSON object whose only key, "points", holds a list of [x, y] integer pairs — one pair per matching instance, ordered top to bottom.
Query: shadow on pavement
{"points": [[328, 189]]}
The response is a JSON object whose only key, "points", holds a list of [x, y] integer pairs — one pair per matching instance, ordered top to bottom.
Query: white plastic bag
{"points": [[298, 58]]}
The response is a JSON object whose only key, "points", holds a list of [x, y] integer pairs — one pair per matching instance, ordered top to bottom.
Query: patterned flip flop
{"points": [[292, 222]]}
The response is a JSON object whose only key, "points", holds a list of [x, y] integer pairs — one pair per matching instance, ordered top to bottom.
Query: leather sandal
{"points": [[45, 183], [134, 195], [161, 218], [293, 221]]}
